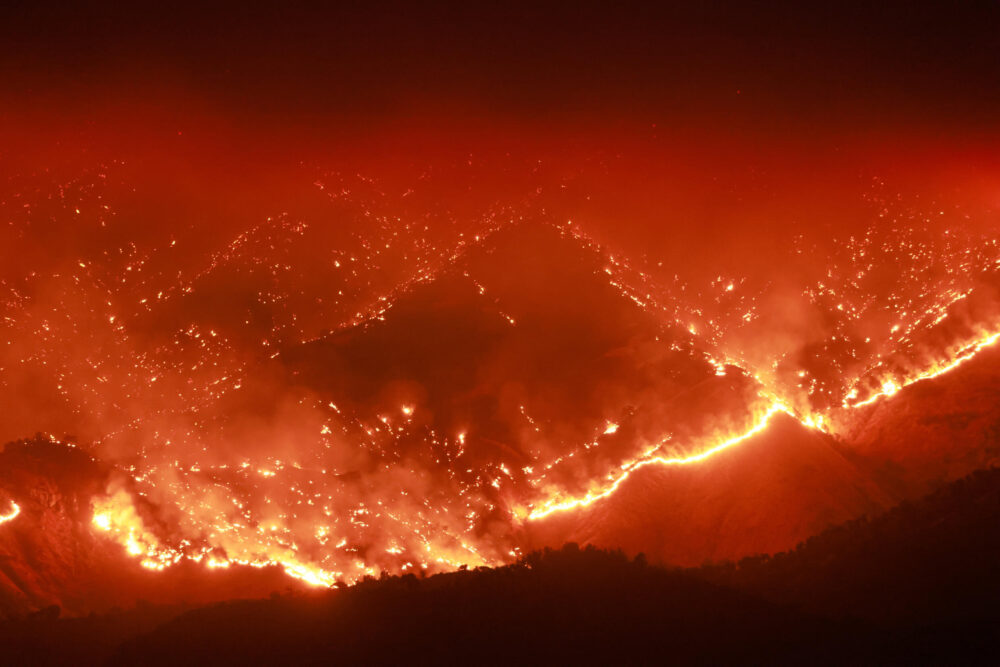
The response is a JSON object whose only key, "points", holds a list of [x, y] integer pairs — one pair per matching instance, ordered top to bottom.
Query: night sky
{"points": [[767, 65]]}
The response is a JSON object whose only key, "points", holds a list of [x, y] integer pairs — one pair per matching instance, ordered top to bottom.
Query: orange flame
{"points": [[891, 386], [615, 480], [15, 510], [116, 516]]}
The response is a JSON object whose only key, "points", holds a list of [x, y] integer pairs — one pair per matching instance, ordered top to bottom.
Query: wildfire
{"points": [[357, 490], [275, 545]]}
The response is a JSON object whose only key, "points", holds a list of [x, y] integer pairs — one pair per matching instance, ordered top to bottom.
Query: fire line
{"points": [[889, 388]]}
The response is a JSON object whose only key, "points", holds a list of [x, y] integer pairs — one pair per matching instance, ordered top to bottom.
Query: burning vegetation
{"points": [[363, 380]]}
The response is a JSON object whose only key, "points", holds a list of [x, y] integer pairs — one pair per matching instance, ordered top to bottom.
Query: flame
{"points": [[890, 387], [615, 480], [15, 510], [116, 515]]}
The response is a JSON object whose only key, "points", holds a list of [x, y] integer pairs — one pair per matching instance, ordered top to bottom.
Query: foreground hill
{"points": [[917, 584], [555, 607]]}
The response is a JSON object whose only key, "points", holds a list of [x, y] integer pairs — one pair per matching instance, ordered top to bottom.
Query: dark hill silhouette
{"points": [[923, 563], [566, 606]]}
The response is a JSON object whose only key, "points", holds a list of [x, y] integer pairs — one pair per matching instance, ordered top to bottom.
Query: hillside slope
{"points": [[934, 431], [762, 496]]}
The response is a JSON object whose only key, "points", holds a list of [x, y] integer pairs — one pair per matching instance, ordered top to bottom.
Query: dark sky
{"points": [[870, 63]]}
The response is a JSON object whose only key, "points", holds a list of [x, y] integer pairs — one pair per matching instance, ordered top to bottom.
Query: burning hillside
{"points": [[439, 368]]}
